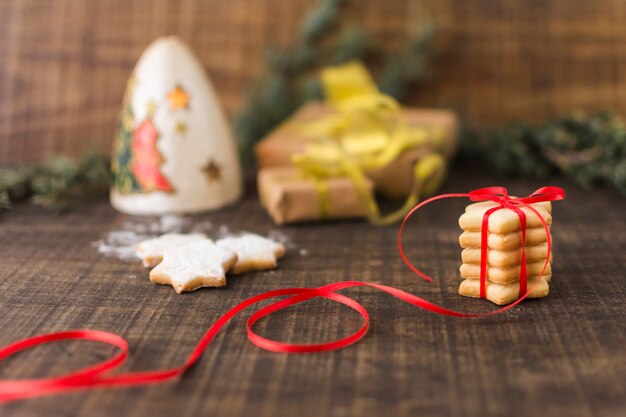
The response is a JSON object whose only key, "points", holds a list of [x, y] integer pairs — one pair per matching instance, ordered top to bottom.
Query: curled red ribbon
{"points": [[98, 375]]}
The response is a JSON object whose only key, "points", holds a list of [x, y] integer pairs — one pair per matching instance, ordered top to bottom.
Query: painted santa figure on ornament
{"points": [[173, 150]]}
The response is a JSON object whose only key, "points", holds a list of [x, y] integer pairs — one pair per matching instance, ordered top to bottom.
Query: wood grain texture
{"points": [[64, 63], [559, 356]]}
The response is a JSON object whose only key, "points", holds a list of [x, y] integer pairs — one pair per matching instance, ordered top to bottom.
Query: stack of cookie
{"points": [[504, 252]]}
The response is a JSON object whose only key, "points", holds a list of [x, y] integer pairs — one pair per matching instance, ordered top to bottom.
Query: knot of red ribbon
{"points": [[501, 195], [99, 376]]}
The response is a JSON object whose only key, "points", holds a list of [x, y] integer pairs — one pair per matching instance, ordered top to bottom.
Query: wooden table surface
{"points": [[559, 356]]}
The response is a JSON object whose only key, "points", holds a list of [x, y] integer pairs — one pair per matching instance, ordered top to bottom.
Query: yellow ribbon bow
{"points": [[366, 133]]}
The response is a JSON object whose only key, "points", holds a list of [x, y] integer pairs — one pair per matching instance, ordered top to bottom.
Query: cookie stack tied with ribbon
{"points": [[506, 249]]}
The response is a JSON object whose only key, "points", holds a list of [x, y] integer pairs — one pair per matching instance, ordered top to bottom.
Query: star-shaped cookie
{"points": [[151, 250], [254, 252], [194, 265]]}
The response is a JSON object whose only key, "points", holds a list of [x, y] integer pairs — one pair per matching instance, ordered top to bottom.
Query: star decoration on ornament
{"points": [[178, 98], [151, 107], [181, 128], [212, 170]]}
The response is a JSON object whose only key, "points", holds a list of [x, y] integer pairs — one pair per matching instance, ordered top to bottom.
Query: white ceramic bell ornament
{"points": [[173, 151]]}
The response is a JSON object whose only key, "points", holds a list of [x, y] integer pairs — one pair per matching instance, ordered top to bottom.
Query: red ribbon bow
{"points": [[98, 375]]}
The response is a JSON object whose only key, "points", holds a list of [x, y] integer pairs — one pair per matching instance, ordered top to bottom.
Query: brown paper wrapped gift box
{"points": [[394, 180], [289, 197]]}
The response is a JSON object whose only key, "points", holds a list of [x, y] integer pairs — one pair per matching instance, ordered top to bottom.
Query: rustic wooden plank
{"points": [[65, 63], [560, 356]]}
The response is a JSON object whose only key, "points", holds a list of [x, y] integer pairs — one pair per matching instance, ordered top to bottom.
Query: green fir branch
{"points": [[319, 20], [324, 38], [587, 149], [57, 183]]}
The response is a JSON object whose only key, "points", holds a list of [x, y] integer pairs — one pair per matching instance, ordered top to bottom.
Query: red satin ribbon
{"points": [[99, 376]]}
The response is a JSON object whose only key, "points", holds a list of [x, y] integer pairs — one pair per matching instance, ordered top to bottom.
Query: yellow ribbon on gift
{"points": [[367, 132]]}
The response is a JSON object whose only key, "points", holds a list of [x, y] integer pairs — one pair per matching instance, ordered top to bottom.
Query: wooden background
{"points": [[64, 63]]}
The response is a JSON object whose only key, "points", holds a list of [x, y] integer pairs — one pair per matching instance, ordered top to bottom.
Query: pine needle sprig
{"points": [[317, 22], [324, 38], [411, 65], [587, 149], [57, 183]]}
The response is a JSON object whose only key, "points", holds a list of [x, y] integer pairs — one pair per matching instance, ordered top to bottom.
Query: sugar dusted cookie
{"points": [[503, 221], [509, 241], [151, 250], [254, 252], [507, 258], [194, 265], [506, 275], [503, 293]]}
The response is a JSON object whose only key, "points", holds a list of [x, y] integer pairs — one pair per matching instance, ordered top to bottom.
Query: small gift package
{"points": [[357, 143], [393, 180], [289, 196], [506, 250]]}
